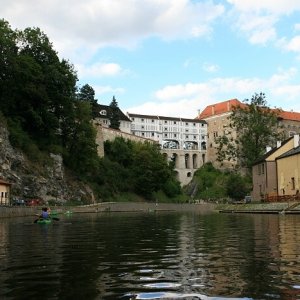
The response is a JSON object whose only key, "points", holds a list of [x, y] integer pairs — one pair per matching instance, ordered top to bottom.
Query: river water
{"points": [[151, 256]]}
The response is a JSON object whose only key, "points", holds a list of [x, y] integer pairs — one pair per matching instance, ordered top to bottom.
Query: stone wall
{"points": [[109, 134]]}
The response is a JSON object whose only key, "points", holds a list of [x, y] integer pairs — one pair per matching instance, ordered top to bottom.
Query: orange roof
{"points": [[226, 106], [219, 108], [290, 115]]}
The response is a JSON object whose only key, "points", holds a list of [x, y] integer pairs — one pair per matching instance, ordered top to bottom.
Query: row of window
{"points": [[169, 122]]}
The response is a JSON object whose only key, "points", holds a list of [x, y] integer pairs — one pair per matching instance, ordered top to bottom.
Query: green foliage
{"points": [[46, 112], [114, 115], [255, 125], [136, 167], [212, 184], [236, 186]]}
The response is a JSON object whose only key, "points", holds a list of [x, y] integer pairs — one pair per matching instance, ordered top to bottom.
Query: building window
{"points": [[103, 112], [132, 119], [142, 120], [152, 121], [166, 122], [175, 122], [186, 124], [194, 124], [143, 127], [166, 128], [186, 130], [143, 134], [152, 134], [215, 134], [166, 135], [175, 135], [186, 136], [195, 137], [263, 169], [293, 183]]}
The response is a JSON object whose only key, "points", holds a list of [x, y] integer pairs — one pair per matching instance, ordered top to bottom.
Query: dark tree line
{"points": [[46, 112]]}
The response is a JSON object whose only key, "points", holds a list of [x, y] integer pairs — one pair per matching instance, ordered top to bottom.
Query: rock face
{"points": [[49, 182]]}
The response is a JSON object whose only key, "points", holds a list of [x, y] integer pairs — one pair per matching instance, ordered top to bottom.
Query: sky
{"points": [[173, 57]]}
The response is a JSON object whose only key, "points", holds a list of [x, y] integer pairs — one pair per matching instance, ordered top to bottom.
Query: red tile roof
{"points": [[226, 106], [219, 108], [290, 115]]}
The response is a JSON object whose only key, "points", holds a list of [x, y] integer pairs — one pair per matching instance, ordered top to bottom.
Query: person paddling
{"points": [[45, 214]]}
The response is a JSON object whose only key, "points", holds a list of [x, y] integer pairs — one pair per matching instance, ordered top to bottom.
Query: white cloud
{"points": [[271, 6], [257, 19], [102, 23], [293, 44], [210, 68], [99, 70], [100, 90], [184, 100]]}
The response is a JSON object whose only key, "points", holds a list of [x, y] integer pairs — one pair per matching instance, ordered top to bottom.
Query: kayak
{"points": [[44, 221]]}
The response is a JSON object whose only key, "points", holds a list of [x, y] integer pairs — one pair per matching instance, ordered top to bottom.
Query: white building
{"points": [[171, 133], [182, 141]]}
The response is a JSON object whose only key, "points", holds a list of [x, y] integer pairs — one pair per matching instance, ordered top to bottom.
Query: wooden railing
{"points": [[283, 198]]}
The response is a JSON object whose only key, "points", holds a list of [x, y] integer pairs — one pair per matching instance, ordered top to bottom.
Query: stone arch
{"points": [[203, 146], [174, 158], [195, 160], [187, 161], [189, 174]]}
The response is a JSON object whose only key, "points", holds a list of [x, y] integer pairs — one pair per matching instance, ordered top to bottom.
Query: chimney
{"points": [[213, 110], [296, 140], [278, 144], [268, 148]]}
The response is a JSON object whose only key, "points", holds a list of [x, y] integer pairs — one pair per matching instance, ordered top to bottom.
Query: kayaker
{"points": [[45, 213]]}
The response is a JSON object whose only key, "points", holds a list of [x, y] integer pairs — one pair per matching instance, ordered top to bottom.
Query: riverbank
{"points": [[105, 207], [271, 208], [21, 211]]}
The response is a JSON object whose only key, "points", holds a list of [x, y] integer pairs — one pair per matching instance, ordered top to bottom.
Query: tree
{"points": [[114, 114], [252, 128], [237, 187]]}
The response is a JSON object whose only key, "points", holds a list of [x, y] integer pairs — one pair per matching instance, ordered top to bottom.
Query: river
{"points": [[153, 255]]}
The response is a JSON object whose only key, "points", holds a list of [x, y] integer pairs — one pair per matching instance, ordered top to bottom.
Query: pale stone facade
{"points": [[216, 116], [108, 134], [182, 140], [264, 171], [288, 172], [4, 192]]}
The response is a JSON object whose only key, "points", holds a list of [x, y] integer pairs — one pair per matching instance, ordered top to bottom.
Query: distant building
{"points": [[101, 114], [217, 118], [171, 133], [182, 140], [288, 168], [265, 172], [5, 188]]}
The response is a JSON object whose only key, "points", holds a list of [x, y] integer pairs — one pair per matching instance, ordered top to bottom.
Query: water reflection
{"points": [[152, 256]]}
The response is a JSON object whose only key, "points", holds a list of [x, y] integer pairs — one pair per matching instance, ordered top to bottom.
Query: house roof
{"points": [[226, 106], [100, 107], [219, 108], [289, 115], [165, 118], [291, 152], [269, 153], [3, 182]]}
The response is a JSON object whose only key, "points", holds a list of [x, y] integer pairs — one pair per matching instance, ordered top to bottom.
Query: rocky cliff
{"points": [[30, 180]]}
